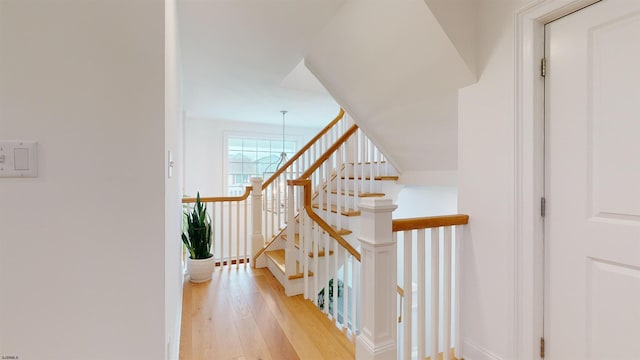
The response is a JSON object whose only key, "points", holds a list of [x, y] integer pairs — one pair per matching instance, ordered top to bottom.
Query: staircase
{"points": [[312, 218], [344, 219], [322, 225]]}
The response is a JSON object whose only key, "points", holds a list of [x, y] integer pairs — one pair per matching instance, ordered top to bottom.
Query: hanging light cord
{"points": [[283, 155]]}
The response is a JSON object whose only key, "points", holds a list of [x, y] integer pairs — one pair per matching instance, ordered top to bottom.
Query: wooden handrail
{"points": [[341, 140], [303, 149], [306, 183], [244, 196], [429, 222]]}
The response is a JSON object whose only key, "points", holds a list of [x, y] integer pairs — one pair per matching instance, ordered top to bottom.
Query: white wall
{"points": [[397, 73], [204, 142], [173, 185], [485, 187], [418, 201], [82, 263]]}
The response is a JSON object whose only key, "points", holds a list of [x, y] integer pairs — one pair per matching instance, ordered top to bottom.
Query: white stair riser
{"points": [[350, 185], [275, 270]]}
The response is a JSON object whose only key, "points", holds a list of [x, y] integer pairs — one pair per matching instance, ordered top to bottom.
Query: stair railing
{"points": [[327, 190], [275, 202], [236, 219], [230, 227], [411, 237], [338, 273]]}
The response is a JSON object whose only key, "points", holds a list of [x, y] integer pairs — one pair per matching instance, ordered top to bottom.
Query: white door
{"points": [[592, 146]]}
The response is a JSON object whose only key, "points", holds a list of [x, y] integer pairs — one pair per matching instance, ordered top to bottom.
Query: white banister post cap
{"points": [[377, 204]]}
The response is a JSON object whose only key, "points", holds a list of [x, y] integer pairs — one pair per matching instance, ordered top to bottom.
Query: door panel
{"points": [[614, 119], [592, 140], [610, 316]]}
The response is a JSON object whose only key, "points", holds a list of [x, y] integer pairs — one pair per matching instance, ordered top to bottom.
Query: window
{"points": [[248, 157]]}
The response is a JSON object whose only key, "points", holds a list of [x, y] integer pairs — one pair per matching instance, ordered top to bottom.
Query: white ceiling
{"points": [[243, 60]]}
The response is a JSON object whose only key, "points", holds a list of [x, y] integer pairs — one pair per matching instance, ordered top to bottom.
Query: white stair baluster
{"points": [[356, 160], [328, 171], [372, 171], [338, 186], [265, 214], [274, 216], [221, 235], [237, 235], [230, 236], [327, 246], [308, 247], [290, 250], [246, 254], [316, 254], [299, 264], [458, 266], [407, 284], [435, 291], [345, 292], [422, 295], [446, 296], [334, 302]]}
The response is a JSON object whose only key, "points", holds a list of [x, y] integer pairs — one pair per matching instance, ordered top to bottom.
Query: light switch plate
{"points": [[18, 158]]}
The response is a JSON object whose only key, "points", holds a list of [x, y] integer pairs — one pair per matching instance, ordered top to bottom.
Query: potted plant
{"points": [[197, 237]]}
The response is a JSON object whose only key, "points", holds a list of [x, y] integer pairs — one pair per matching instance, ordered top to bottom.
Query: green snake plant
{"points": [[197, 234]]}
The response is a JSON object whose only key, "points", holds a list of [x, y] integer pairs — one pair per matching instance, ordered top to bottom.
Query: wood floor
{"points": [[244, 314]]}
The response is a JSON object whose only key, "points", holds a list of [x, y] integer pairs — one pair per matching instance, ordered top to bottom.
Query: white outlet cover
{"points": [[18, 158]]}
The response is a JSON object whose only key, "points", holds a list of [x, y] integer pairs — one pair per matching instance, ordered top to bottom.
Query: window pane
{"points": [[234, 144], [263, 145], [277, 146], [290, 148], [253, 157]]}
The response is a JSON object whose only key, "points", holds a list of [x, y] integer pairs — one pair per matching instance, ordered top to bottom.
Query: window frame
{"points": [[254, 135]]}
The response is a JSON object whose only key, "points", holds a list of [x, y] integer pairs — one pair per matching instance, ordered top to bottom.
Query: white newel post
{"points": [[257, 239], [291, 250], [378, 281]]}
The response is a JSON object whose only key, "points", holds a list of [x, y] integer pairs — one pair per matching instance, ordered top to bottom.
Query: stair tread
{"points": [[368, 162], [380, 178], [350, 193], [334, 209], [320, 253], [277, 256], [299, 275]]}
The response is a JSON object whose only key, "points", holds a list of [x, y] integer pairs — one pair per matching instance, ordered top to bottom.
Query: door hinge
{"points": [[543, 67], [543, 206], [542, 348]]}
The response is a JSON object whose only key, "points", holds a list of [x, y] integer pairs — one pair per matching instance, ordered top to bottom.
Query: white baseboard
{"points": [[175, 346], [472, 351]]}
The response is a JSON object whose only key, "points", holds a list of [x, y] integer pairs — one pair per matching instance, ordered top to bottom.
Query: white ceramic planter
{"points": [[200, 270]]}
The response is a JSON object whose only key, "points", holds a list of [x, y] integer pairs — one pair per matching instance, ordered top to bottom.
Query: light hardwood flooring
{"points": [[244, 314]]}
